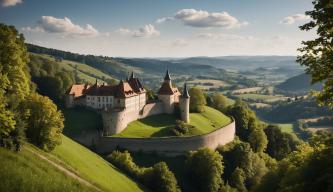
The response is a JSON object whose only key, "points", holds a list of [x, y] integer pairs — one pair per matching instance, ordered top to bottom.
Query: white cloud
{"points": [[8, 3], [294, 18], [164, 19], [204, 19], [62, 26], [33, 29], [123, 31], [146, 31], [223, 36]]}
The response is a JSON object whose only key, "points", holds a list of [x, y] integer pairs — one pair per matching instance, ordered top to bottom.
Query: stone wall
{"points": [[152, 109], [169, 145]]}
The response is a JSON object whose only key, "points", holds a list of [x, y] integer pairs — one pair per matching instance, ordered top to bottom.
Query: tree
{"points": [[317, 54], [14, 83], [197, 101], [219, 102], [45, 123], [248, 127], [258, 139], [279, 144], [239, 155], [205, 169], [157, 178], [163, 179], [238, 179]]}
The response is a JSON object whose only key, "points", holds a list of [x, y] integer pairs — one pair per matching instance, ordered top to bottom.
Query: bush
{"points": [[181, 128], [157, 178]]}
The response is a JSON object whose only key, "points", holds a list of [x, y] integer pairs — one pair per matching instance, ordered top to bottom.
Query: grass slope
{"points": [[85, 72], [160, 125], [94, 168], [24, 171]]}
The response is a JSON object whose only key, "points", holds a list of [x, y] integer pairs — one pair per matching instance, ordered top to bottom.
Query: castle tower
{"points": [[168, 95], [184, 105]]}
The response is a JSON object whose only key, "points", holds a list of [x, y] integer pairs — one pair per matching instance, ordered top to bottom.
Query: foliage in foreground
{"points": [[317, 54], [21, 110], [45, 122], [309, 168], [205, 169], [158, 177]]}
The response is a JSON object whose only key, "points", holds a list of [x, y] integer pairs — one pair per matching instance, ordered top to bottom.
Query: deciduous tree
{"points": [[317, 54]]}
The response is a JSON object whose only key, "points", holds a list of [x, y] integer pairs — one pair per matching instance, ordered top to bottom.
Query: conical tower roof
{"points": [[167, 76], [185, 92]]}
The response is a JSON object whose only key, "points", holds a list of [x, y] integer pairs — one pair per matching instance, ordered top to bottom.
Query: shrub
{"points": [[181, 128], [157, 178]]}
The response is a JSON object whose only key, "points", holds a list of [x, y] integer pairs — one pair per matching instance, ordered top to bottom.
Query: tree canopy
{"points": [[317, 54], [14, 82], [198, 100], [45, 122], [205, 169]]}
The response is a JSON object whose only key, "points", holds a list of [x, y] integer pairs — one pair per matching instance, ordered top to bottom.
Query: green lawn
{"points": [[80, 121], [160, 125], [94, 168], [24, 171]]}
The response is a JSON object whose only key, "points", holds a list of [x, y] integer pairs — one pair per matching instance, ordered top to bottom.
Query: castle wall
{"points": [[69, 101], [168, 103], [152, 109], [170, 145]]}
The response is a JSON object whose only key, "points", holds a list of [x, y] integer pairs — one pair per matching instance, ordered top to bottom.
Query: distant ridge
{"points": [[299, 84]]}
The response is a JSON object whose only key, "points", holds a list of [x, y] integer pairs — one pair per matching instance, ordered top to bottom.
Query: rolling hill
{"points": [[298, 84], [70, 167]]}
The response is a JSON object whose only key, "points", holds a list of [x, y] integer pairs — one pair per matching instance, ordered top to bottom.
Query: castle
{"points": [[126, 102]]}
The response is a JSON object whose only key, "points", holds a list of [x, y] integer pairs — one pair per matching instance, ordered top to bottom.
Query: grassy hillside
{"points": [[84, 71], [299, 83], [161, 125], [94, 168], [24, 171]]}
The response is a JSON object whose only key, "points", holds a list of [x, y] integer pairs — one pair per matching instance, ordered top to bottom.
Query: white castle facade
{"points": [[126, 102]]}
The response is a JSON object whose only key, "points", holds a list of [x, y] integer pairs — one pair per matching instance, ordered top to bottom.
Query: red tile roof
{"points": [[78, 90]]}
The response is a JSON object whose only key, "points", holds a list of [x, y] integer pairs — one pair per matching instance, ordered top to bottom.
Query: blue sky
{"points": [[162, 28]]}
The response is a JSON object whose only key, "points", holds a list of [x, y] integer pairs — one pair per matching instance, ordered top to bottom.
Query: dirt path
{"points": [[64, 170]]}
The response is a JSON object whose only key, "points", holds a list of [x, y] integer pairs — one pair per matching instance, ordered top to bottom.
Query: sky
{"points": [[162, 28]]}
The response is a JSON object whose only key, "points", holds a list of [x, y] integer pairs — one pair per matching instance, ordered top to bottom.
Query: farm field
{"points": [[207, 83], [247, 90], [266, 98], [161, 125]]}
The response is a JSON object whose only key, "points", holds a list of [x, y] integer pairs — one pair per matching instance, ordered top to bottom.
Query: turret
{"points": [[167, 78], [184, 105]]}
